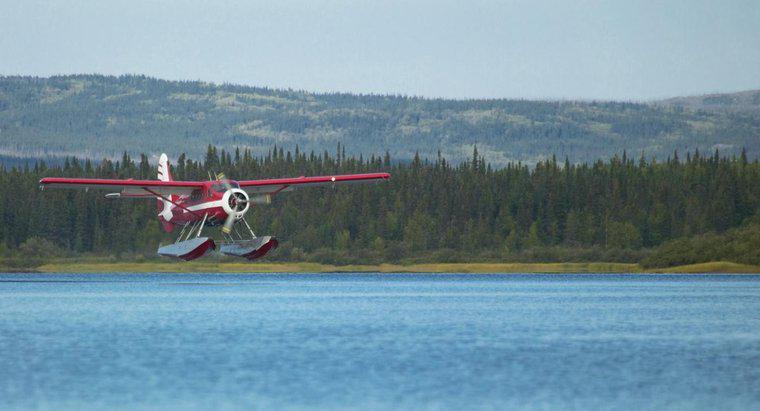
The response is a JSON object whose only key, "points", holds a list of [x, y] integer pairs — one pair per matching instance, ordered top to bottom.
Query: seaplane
{"points": [[190, 206]]}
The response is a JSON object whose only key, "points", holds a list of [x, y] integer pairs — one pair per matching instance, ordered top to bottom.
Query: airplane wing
{"points": [[269, 187], [126, 188], [262, 190]]}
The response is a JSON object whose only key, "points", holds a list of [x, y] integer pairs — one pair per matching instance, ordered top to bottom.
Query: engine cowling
{"points": [[235, 203]]}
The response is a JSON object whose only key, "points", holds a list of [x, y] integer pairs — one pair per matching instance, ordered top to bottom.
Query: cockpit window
{"points": [[220, 187]]}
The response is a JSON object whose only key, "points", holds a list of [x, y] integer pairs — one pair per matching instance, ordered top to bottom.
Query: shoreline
{"points": [[719, 267]]}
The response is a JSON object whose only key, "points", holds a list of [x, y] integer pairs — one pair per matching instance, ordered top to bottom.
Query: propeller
{"points": [[237, 202]]}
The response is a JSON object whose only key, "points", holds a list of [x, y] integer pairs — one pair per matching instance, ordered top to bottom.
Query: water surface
{"points": [[290, 341]]}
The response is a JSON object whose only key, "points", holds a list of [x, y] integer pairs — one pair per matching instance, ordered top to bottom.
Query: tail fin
{"points": [[164, 173], [165, 207]]}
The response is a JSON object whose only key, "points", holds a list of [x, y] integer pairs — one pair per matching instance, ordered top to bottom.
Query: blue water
{"points": [[133, 341]]}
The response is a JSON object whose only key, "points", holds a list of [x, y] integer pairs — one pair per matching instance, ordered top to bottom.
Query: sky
{"points": [[575, 49]]}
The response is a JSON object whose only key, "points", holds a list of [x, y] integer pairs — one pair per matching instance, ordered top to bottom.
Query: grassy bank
{"points": [[226, 267], [726, 267]]}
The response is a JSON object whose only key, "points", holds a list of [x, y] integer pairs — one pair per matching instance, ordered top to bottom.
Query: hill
{"points": [[744, 101], [100, 116]]}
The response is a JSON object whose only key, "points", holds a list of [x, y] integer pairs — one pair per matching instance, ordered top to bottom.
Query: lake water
{"points": [[363, 341]]}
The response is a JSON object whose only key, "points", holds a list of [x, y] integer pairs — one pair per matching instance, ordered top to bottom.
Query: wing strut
{"points": [[171, 201]]}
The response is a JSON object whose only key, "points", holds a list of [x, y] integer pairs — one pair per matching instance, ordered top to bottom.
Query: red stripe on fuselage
{"points": [[204, 202]]}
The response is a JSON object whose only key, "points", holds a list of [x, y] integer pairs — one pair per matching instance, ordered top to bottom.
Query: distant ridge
{"points": [[742, 101], [99, 116]]}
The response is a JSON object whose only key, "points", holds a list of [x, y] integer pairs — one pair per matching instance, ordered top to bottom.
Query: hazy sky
{"points": [[630, 50]]}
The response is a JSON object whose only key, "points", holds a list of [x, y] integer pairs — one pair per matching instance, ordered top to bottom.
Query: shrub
{"points": [[40, 248]]}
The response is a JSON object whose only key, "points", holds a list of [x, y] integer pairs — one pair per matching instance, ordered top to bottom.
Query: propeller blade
{"points": [[225, 182], [227, 227]]}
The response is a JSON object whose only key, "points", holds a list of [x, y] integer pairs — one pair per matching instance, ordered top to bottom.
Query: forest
{"points": [[94, 116], [623, 209]]}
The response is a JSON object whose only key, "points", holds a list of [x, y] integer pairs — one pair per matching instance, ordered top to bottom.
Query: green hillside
{"points": [[744, 101], [98, 116]]}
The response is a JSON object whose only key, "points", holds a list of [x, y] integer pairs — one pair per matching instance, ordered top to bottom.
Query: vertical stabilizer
{"points": [[164, 174], [165, 207]]}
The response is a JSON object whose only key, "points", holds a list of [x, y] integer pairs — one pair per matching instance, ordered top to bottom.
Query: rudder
{"points": [[164, 173], [165, 207]]}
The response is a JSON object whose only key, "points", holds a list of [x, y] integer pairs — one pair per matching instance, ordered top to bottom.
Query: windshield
{"points": [[221, 187]]}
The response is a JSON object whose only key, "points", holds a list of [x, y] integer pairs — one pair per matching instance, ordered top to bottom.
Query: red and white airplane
{"points": [[192, 205]]}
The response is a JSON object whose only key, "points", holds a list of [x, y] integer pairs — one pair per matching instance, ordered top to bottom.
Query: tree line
{"points": [[431, 210]]}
